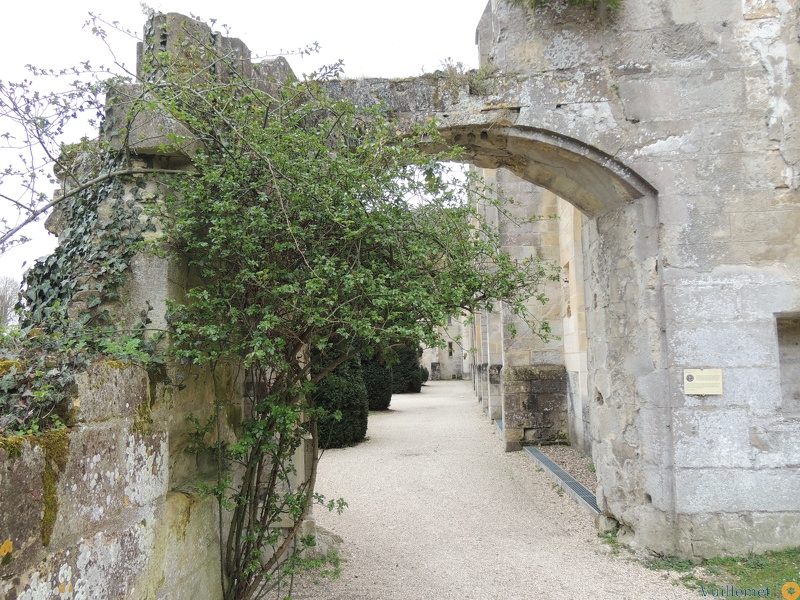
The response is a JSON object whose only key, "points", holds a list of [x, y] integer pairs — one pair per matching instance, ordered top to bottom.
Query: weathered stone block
{"points": [[149, 131], [740, 344], [535, 373], [109, 390], [711, 437], [775, 445], [146, 468], [94, 479], [736, 490], [21, 491], [708, 535], [186, 550]]}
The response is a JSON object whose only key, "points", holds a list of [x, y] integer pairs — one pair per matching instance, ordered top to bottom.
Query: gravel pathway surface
{"points": [[574, 462], [438, 511]]}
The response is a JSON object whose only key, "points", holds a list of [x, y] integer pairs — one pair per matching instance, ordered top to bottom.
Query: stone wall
{"points": [[670, 127], [701, 271], [446, 362], [94, 512]]}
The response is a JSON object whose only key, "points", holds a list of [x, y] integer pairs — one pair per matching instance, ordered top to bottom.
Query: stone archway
{"points": [[623, 303], [628, 420]]}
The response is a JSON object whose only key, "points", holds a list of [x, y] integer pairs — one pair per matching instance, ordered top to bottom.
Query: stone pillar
{"points": [[574, 339], [535, 405]]}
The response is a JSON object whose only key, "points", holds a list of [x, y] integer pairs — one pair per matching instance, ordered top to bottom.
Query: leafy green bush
{"points": [[378, 381], [343, 395]]}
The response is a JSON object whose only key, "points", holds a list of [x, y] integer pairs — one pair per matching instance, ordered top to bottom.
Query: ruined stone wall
{"points": [[700, 100], [671, 128], [574, 339], [533, 400], [96, 511]]}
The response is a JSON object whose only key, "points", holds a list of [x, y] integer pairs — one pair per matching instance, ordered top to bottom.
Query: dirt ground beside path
{"points": [[438, 511]]}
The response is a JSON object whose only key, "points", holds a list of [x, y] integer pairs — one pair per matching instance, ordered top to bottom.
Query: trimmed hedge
{"points": [[406, 372], [425, 374], [378, 381], [343, 391]]}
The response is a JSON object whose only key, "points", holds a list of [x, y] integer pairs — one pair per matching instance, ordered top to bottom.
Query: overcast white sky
{"points": [[374, 38]]}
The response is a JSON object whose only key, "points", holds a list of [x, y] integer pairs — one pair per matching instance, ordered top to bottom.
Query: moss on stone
{"points": [[114, 364], [7, 365], [234, 413], [143, 421], [12, 445], [55, 445], [56, 454], [180, 524]]}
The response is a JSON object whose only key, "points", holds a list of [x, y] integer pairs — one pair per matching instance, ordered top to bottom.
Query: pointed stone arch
{"points": [[588, 178]]}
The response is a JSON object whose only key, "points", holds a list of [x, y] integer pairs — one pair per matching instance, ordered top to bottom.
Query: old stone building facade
{"points": [[664, 139], [698, 268]]}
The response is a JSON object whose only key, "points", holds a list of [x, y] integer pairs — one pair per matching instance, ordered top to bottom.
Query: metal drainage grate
{"points": [[578, 493]]}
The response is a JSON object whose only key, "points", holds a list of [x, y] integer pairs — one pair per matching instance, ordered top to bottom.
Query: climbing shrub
{"points": [[377, 377]]}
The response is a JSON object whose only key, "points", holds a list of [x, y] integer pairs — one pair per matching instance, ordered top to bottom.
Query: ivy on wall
{"points": [[103, 228]]}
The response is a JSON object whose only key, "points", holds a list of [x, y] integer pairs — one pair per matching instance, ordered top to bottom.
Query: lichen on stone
{"points": [[6, 549]]}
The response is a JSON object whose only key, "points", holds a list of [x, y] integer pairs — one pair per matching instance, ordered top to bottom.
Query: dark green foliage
{"points": [[92, 259], [406, 371], [424, 373], [37, 374], [378, 381], [343, 395]]}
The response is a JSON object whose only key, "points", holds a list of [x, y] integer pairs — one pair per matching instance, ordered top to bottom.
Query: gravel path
{"points": [[574, 462], [438, 511]]}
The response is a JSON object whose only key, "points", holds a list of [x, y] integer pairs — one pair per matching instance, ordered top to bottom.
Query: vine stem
{"points": [[215, 381]]}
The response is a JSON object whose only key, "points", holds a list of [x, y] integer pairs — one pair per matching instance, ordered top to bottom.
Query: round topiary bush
{"points": [[378, 381], [342, 391]]}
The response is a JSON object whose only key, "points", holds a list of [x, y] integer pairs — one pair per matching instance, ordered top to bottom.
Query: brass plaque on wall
{"points": [[702, 382]]}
